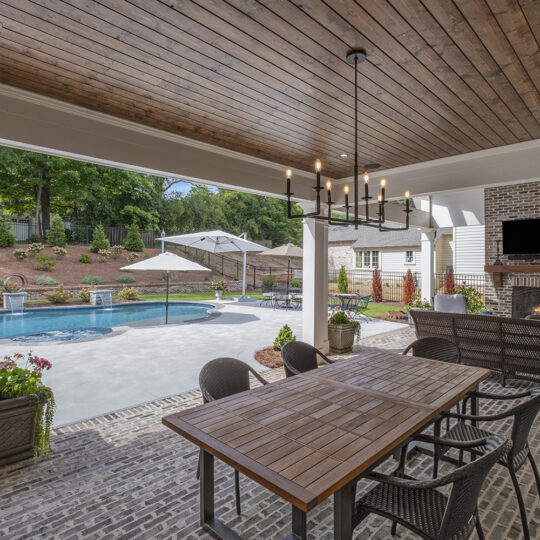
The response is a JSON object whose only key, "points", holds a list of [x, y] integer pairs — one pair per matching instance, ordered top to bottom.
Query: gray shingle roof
{"points": [[366, 237]]}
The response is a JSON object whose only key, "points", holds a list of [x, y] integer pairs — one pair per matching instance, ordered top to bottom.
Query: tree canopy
{"points": [[40, 185]]}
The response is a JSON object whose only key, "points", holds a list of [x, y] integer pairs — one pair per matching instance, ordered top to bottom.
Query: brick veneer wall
{"points": [[518, 201]]}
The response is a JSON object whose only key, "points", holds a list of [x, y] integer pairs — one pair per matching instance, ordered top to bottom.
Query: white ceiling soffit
{"points": [[33, 122], [515, 163]]}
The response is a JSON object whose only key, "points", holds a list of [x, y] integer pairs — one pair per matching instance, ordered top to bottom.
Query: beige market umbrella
{"points": [[217, 242], [286, 250], [167, 262]]}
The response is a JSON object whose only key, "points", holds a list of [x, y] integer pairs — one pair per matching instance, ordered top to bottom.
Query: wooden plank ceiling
{"points": [[269, 77]]}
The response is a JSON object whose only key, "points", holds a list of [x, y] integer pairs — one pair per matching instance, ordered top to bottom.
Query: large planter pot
{"points": [[219, 294], [341, 337], [17, 428]]}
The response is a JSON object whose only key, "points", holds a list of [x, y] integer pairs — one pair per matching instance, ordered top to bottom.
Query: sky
{"points": [[184, 187]]}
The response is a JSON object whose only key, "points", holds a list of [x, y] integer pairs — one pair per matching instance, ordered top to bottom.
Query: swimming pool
{"points": [[69, 323]]}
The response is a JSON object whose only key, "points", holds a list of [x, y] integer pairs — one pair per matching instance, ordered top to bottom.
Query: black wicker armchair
{"points": [[435, 348], [299, 357], [224, 377], [524, 415], [422, 508]]}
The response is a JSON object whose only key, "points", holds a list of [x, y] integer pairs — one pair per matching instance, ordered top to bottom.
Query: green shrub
{"points": [[56, 235], [7, 236], [34, 239], [99, 240], [133, 241], [35, 248], [116, 251], [60, 252], [20, 254], [103, 255], [132, 257], [85, 258], [45, 263], [125, 279], [45, 280], [92, 280], [268, 281], [342, 281], [295, 283], [128, 293], [84, 295], [59, 296], [473, 297], [418, 303], [340, 317], [285, 335]]}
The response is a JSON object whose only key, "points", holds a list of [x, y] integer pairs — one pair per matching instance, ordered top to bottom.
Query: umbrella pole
{"points": [[288, 272], [167, 300]]}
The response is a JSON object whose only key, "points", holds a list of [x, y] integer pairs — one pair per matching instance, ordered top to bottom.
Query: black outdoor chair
{"points": [[435, 348], [299, 357], [220, 378], [524, 415], [422, 508]]}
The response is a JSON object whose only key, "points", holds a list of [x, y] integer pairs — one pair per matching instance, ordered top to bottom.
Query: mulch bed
{"points": [[269, 358]]}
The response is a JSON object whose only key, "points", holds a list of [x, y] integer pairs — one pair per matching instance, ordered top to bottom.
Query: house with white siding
{"points": [[461, 248]]}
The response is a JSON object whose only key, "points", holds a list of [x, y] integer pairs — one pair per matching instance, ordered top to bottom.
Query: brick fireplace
{"points": [[517, 201], [525, 301]]}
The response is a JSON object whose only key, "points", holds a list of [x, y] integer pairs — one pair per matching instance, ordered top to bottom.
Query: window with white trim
{"points": [[409, 257], [367, 259]]}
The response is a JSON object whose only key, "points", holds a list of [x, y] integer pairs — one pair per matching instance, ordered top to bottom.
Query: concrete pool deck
{"points": [[93, 377]]}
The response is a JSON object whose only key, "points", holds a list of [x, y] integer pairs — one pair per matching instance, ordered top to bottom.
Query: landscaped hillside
{"points": [[70, 272]]}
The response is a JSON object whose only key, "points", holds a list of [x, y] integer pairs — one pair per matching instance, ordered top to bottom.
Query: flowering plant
{"points": [[219, 285], [16, 381]]}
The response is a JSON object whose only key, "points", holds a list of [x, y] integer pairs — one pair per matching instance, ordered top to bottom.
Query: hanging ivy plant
{"points": [[16, 381]]}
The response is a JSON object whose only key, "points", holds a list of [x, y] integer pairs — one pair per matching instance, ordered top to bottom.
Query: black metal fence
{"points": [[81, 234], [232, 267], [361, 281]]}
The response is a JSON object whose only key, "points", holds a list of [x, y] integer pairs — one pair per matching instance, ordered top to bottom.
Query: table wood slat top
{"points": [[307, 436]]}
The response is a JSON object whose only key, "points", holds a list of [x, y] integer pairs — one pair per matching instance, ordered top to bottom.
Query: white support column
{"points": [[428, 265], [315, 284]]}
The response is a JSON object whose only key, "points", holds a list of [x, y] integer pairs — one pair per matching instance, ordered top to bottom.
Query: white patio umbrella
{"points": [[217, 242], [286, 250], [167, 262]]}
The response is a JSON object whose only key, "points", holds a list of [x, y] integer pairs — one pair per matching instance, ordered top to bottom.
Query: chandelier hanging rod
{"points": [[354, 56]]}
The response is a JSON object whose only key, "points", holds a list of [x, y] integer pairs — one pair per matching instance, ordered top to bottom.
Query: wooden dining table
{"points": [[316, 434]]}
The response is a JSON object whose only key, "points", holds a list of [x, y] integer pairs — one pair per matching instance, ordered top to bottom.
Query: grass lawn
{"points": [[373, 310]]}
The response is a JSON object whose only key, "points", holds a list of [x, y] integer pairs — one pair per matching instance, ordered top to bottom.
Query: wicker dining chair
{"points": [[435, 348], [299, 357], [220, 378], [524, 415], [422, 508]]}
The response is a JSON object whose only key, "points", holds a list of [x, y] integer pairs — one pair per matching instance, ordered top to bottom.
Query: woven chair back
{"points": [[435, 348], [300, 356], [223, 377], [458, 520]]}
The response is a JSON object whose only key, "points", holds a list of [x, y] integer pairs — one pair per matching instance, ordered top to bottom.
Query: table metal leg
{"points": [[343, 506], [209, 522], [299, 523]]}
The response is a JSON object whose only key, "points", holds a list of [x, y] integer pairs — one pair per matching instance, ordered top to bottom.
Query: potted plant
{"points": [[219, 287], [341, 332], [26, 408]]}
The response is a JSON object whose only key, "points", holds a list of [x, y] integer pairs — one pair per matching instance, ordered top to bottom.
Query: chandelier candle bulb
{"points": [[289, 174], [383, 186]]}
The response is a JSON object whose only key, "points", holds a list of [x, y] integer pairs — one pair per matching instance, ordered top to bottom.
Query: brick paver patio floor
{"points": [[124, 475]]}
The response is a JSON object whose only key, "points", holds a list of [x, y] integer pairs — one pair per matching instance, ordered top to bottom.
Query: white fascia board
{"points": [[37, 123]]}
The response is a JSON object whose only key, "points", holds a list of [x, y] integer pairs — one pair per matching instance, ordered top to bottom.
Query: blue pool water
{"points": [[64, 324]]}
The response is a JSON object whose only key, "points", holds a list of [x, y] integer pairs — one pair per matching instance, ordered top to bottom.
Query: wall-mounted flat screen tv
{"points": [[521, 237]]}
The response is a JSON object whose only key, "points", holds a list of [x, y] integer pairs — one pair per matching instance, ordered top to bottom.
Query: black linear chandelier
{"points": [[355, 56]]}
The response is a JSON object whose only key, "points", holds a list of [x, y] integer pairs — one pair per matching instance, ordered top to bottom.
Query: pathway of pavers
{"points": [[124, 475]]}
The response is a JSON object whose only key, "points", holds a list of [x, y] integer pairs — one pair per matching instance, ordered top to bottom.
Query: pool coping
{"points": [[213, 313]]}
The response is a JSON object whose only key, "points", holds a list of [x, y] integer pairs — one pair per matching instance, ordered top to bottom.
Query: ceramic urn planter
{"points": [[341, 337]]}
